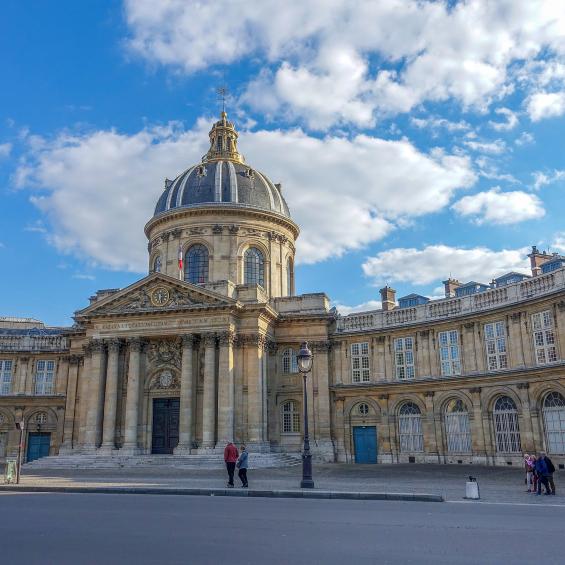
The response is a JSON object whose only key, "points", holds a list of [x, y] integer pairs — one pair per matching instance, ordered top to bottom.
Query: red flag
{"points": [[180, 262]]}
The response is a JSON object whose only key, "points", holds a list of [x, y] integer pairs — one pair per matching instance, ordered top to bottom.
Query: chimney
{"points": [[537, 259], [450, 285], [388, 298]]}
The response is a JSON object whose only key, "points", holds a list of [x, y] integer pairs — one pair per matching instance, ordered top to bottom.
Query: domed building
{"points": [[203, 350]]}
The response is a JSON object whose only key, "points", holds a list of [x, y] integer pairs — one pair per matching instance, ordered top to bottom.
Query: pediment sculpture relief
{"points": [[164, 352]]}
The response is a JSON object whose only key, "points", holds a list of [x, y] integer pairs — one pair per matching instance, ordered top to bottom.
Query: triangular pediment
{"points": [[156, 293]]}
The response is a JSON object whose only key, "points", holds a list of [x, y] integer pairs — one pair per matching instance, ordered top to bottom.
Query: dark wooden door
{"points": [[165, 425], [365, 441], [38, 445]]}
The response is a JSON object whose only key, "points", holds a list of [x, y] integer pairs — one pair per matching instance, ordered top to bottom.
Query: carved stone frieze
{"points": [[217, 229], [233, 229], [196, 231], [164, 352]]}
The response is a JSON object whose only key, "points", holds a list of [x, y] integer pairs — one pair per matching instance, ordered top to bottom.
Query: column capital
{"points": [[227, 338], [209, 339], [188, 340], [135, 343], [97, 345], [113, 345], [321, 346], [75, 359], [523, 386], [475, 390]]}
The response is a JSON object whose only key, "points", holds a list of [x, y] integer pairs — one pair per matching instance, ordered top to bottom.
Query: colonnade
{"points": [[100, 392]]}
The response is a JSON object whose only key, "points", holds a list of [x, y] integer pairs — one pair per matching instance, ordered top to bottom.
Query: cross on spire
{"points": [[223, 92]]}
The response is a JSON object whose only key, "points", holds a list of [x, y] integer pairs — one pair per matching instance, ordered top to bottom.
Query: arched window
{"points": [[157, 264], [196, 264], [254, 267], [289, 277], [289, 364], [363, 409], [290, 417], [554, 422], [457, 427], [410, 428], [507, 430]]}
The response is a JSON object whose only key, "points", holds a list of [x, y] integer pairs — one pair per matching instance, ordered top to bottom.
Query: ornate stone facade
{"points": [[185, 359]]}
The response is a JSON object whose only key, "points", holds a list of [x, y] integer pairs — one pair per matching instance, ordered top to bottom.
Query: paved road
{"points": [[92, 529]]}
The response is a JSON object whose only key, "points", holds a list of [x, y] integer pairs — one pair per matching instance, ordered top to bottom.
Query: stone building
{"points": [[203, 349]]}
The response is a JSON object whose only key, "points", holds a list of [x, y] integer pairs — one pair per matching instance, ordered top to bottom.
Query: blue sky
{"points": [[410, 144]]}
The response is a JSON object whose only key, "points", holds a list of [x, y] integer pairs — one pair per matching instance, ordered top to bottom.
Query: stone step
{"points": [[197, 461]]}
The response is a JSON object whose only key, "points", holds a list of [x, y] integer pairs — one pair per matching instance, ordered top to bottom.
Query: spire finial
{"points": [[222, 93]]}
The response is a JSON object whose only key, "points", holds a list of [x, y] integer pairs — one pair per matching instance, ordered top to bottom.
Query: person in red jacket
{"points": [[230, 457]]}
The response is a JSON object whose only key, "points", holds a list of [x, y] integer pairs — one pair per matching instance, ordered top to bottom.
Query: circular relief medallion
{"points": [[160, 296], [166, 379]]}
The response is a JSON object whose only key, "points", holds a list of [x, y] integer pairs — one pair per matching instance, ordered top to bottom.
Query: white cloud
{"points": [[319, 51], [542, 105], [511, 120], [436, 123], [525, 138], [495, 147], [5, 149], [543, 179], [100, 188], [497, 207], [558, 243], [435, 263], [82, 276], [364, 307]]}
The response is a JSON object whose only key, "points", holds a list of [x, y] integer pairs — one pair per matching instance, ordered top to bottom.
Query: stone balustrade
{"points": [[452, 307], [33, 343]]}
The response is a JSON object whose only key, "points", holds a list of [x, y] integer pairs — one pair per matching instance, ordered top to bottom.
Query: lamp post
{"points": [[304, 361]]}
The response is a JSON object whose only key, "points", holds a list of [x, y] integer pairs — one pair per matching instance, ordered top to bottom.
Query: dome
{"points": [[222, 178]]}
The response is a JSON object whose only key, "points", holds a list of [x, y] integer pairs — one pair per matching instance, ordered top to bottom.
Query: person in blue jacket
{"points": [[242, 464], [543, 474]]}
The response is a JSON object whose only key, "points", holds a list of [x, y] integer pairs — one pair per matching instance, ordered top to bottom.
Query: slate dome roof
{"points": [[222, 177]]}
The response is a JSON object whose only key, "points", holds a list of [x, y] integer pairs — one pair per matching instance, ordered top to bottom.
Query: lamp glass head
{"points": [[304, 358]]}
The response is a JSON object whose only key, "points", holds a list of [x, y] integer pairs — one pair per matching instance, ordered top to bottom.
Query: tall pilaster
{"points": [[320, 367], [83, 386], [226, 389], [209, 394], [111, 396], [95, 397], [132, 397], [70, 404], [477, 430], [186, 432], [526, 432]]}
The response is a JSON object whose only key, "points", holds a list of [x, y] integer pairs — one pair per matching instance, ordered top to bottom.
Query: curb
{"points": [[319, 494]]}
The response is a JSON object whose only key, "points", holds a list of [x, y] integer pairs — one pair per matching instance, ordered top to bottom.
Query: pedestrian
{"points": [[230, 457], [242, 464], [529, 468], [550, 471], [542, 472]]}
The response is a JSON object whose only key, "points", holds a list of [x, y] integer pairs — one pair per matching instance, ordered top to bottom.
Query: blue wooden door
{"points": [[365, 442], [38, 445]]}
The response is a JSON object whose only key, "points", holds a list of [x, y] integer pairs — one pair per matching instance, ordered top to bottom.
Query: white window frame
{"points": [[543, 333], [495, 346], [449, 353], [404, 358], [289, 361], [360, 362], [6, 367], [44, 377], [290, 417], [554, 423], [457, 428], [507, 428], [410, 434]]}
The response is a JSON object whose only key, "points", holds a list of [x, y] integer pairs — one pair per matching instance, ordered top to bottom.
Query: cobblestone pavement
{"points": [[497, 484]]}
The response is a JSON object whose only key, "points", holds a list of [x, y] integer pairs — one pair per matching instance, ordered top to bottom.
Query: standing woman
{"points": [[242, 466]]}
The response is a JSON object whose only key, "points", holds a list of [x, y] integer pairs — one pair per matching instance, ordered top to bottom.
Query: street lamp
{"points": [[304, 361]]}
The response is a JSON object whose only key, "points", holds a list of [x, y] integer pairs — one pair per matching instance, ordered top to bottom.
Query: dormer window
{"points": [[220, 144], [201, 171], [250, 173]]}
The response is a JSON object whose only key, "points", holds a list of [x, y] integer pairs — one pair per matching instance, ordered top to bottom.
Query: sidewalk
{"points": [[497, 484]]}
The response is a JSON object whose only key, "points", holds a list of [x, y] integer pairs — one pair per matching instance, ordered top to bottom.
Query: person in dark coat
{"points": [[230, 457], [242, 464], [550, 471], [542, 473]]}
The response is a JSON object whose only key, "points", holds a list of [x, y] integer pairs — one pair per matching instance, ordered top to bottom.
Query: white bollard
{"points": [[472, 489]]}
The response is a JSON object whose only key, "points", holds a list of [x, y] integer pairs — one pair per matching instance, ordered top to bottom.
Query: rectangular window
{"points": [[544, 338], [495, 344], [449, 353], [404, 357], [360, 367], [5, 376], [44, 376]]}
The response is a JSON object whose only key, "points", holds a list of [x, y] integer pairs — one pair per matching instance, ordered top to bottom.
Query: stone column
{"points": [[559, 317], [514, 343], [468, 353], [422, 355], [320, 367], [254, 370], [61, 376], [19, 384], [83, 386], [225, 390], [209, 394], [95, 395], [111, 397], [186, 397], [132, 398], [70, 405], [525, 422], [477, 430], [339, 432], [431, 440], [384, 448]]}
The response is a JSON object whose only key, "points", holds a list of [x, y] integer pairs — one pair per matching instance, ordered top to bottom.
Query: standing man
{"points": [[230, 457], [242, 464], [550, 471], [542, 472]]}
